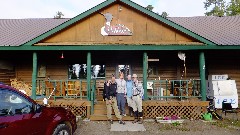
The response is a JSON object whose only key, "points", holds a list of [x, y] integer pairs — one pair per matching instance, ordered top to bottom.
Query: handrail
{"points": [[64, 88], [164, 89]]}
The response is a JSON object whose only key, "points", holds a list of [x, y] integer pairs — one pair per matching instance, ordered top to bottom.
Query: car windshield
{"points": [[12, 103]]}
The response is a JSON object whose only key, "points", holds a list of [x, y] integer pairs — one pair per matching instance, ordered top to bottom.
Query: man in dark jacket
{"points": [[111, 101]]}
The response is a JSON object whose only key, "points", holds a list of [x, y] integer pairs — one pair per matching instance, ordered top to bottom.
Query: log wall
{"points": [[222, 62]]}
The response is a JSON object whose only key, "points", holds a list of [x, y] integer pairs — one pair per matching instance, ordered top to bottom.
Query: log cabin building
{"points": [[76, 55]]}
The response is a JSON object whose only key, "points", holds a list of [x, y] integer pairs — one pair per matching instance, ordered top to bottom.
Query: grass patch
{"points": [[227, 123], [175, 126]]}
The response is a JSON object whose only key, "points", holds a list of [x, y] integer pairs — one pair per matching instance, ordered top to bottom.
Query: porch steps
{"points": [[99, 98], [100, 113]]}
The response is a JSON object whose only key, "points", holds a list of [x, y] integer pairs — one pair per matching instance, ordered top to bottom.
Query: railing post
{"points": [[145, 62], [89, 75], [202, 75], [34, 76], [193, 87], [166, 88], [181, 89], [92, 102]]}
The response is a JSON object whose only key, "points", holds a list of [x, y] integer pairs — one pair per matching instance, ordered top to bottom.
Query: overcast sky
{"points": [[15, 9]]}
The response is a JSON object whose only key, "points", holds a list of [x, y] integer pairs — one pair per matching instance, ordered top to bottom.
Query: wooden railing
{"points": [[64, 88], [164, 89]]}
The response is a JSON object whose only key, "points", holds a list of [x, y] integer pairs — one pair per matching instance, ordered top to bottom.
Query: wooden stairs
{"points": [[100, 111]]}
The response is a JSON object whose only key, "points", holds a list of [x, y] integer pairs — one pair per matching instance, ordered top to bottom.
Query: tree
{"points": [[149, 7], [219, 7], [233, 8], [164, 14], [58, 15]]}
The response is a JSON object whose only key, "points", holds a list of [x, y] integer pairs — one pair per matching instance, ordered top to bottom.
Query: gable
{"points": [[105, 5], [145, 30]]}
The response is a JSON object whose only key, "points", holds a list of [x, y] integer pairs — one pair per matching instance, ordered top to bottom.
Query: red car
{"points": [[20, 115]]}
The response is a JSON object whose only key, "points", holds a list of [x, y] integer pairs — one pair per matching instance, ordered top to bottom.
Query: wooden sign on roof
{"points": [[114, 30]]}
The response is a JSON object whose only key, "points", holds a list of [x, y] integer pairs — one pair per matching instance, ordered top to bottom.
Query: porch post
{"points": [[145, 62], [88, 75], [202, 75], [34, 76]]}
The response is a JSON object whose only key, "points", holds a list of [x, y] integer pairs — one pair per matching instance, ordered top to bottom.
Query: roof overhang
{"points": [[120, 47]]}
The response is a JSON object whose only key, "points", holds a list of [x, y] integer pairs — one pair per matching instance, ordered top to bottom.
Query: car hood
{"points": [[54, 110], [58, 113]]}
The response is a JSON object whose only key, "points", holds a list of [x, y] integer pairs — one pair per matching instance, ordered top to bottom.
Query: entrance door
{"points": [[125, 69]]}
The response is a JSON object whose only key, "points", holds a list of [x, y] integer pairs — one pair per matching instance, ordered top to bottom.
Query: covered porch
{"points": [[67, 54], [78, 75], [163, 80]]}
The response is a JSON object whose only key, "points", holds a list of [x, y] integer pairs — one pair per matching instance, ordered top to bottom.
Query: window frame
{"points": [[85, 65], [25, 103]]}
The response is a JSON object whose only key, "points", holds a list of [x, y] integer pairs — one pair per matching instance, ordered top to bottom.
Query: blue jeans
{"points": [[121, 101]]}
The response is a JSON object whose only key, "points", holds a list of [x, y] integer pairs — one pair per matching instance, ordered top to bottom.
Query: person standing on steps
{"points": [[138, 92], [121, 94], [129, 94], [111, 101]]}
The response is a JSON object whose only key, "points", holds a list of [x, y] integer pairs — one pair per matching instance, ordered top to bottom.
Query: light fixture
{"points": [[120, 8], [62, 57]]}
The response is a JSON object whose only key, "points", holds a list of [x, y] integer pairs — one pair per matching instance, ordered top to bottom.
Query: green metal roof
{"points": [[107, 3], [70, 22], [168, 22], [121, 47]]}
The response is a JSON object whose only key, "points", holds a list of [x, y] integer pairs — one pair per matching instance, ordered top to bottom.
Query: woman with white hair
{"points": [[138, 92]]}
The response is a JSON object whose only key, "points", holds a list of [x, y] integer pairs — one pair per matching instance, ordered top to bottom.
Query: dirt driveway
{"points": [[188, 127]]}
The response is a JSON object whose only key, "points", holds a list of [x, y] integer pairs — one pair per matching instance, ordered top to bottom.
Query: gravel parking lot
{"points": [[188, 127]]}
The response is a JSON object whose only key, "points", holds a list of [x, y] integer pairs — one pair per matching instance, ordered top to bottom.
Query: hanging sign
{"points": [[114, 30], [153, 59]]}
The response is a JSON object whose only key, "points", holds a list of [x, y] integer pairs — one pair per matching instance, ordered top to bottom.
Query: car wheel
{"points": [[62, 129]]}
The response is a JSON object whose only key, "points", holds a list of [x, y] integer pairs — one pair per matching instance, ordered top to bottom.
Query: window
{"points": [[42, 70], [152, 70], [79, 71], [98, 71], [13, 104]]}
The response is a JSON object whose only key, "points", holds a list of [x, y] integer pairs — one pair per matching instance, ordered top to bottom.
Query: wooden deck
{"points": [[80, 107], [151, 108], [183, 109], [100, 112]]}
